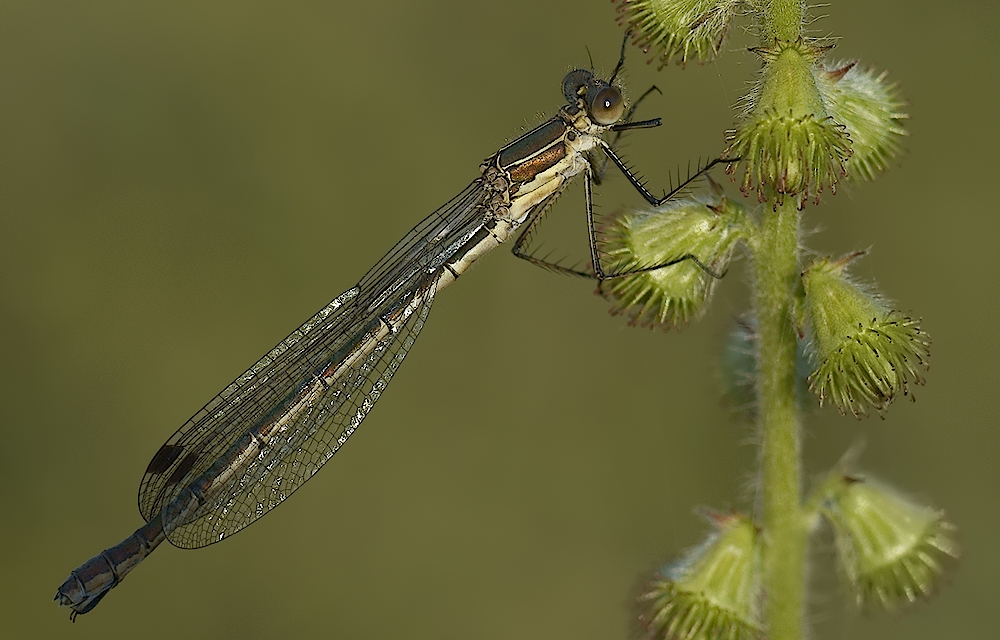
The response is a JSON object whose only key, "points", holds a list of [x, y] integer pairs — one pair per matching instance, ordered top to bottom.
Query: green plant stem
{"points": [[781, 20], [776, 276]]}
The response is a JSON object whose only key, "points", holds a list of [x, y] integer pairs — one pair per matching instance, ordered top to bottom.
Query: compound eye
{"points": [[607, 106]]}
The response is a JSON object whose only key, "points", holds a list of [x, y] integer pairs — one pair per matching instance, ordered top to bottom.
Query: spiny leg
{"points": [[525, 237]]}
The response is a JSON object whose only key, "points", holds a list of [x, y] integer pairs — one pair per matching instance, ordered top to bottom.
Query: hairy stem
{"points": [[781, 20], [776, 276]]}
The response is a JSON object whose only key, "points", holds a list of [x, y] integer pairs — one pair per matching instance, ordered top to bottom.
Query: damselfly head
{"points": [[604, 102]]}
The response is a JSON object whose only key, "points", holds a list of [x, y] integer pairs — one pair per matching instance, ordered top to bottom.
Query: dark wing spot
{"points": [[164, 458], [182, 468]]}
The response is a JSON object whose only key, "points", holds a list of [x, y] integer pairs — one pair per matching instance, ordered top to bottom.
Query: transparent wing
{"points": [[301, 401], [295, 454]]}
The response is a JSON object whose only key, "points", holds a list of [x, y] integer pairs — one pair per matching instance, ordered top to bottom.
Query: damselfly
{"points": [[270, 430]]}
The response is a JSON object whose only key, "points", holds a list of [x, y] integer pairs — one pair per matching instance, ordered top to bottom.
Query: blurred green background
{"points": [[183, 183]]}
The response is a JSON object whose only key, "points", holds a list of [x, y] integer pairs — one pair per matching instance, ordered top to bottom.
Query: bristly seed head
{"points": [[678, 30], [870, 109], [788, 143], [787, 155], [707, 228], [868, 354], [890, 548], [713, 592]]}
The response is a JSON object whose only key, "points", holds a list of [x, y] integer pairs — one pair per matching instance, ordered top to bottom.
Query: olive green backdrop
{"points": [[183, 183]]}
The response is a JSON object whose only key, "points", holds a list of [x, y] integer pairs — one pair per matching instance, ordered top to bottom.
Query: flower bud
{"points": [[678, 29], [706, 227], [868, 353], [890, 548], [713, 592]]}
